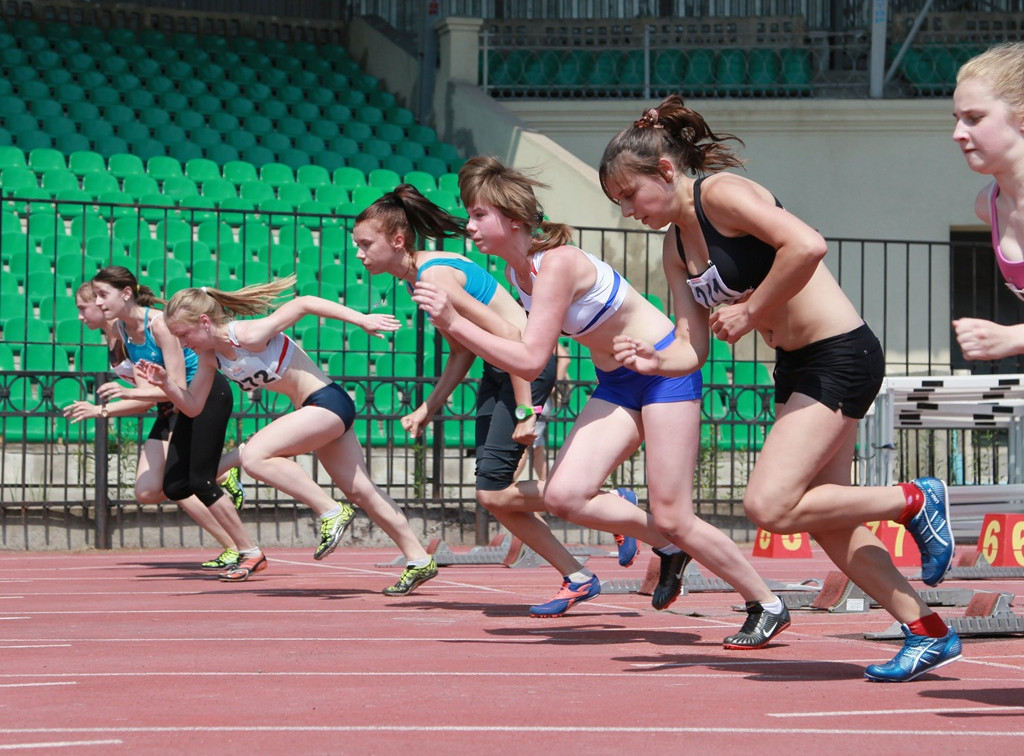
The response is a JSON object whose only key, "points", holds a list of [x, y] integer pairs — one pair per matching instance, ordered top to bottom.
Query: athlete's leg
{"points": [[603, 437], [673, 437], [266, 455], [344, 460], [149, 476], [781, 495], [860, 555]]}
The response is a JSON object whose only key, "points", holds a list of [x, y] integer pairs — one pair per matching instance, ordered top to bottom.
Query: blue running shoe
{"points": [[930, 529], [627, 546], [570, 595], [919, 654]]}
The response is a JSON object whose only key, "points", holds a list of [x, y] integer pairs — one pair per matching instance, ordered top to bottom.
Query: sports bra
{"points": [[736, 264], [1012, 270], [480, 284], [592, 309], [149, 351], [256, 369]]}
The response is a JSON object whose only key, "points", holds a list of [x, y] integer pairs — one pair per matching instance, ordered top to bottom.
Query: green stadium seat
{"points": [[765, 70], [700, 71], [796, 71], [731, 75], [44, 107], [241, 140], [412, 150], [222, 153], [258, 155], [11, 157], [397, 163], [432, 165], [201, 169], [239, 171], [276, 174], [384, 178], [421, 180], [218, 189]]}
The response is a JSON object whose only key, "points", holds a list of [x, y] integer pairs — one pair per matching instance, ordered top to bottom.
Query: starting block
{"points": [[897, 542], [794, 546], [839, 594], [987, 613]]}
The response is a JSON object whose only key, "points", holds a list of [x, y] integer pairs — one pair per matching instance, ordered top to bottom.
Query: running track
{"points": [[140, 653]]}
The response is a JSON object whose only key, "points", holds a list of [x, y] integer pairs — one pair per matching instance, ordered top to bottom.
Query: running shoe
{"points": [[233, 485], [332, 529], [930, 529], [627, 545], [227, 558], [245, 567], [411, 578], [670, 579], [568, 596], [761, 626], [919, 654]]}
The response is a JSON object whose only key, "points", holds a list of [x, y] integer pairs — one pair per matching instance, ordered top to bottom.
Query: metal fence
{"points": [[70, 486]]}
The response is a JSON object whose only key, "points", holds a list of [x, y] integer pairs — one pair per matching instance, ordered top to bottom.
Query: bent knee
{"points": [[149, 494], [492, 501], [563, 502], [771, 513]]}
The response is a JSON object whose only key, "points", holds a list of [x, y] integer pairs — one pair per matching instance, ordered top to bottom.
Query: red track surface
{"points": [[140, 653]]}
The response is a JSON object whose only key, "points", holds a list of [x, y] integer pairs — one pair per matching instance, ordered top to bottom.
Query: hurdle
{"points": [[966, 402]]}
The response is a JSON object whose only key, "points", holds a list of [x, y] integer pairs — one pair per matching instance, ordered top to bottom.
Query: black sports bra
{"points": [[738, 264]]}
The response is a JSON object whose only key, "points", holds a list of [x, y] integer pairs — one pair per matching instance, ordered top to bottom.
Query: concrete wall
{"points": [[852, 168]]}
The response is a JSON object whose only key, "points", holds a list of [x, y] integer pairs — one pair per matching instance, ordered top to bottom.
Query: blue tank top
{"points": [[480, 284], [149, 351]]}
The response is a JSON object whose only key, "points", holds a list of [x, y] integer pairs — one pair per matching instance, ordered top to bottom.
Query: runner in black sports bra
{"points": [[737, 264]]}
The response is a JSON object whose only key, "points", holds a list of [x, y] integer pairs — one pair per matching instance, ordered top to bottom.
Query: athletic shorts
{"points": [[842, 372], [632, 390], [333, 397], [164, 423], [497, 454]]}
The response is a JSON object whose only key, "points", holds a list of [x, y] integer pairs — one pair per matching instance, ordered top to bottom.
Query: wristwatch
{"points": [[524, 411], [104, 412]]}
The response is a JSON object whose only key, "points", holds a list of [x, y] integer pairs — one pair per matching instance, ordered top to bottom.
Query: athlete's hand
{"points": [[434, 301], [377, 322], [731, 322], [985, 340], [635, 354], [153, 373], [112, 390], [81, 410], [415, 421], [525, 431]]}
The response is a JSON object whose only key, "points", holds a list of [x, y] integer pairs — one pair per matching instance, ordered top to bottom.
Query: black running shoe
{"points": [[670, 579], [759, 629]]}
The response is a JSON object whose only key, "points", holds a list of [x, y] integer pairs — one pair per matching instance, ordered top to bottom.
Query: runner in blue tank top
{"points": [[386, 235], [181, 457]]}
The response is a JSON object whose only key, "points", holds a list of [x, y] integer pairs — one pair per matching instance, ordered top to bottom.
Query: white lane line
{"points": [[6, 646], [34, 685], [899, 712], [625, 729], [59, 744]]}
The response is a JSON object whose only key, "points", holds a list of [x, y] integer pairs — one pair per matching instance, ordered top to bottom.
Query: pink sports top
{"points": [[1012, 270], [256, 369]]}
